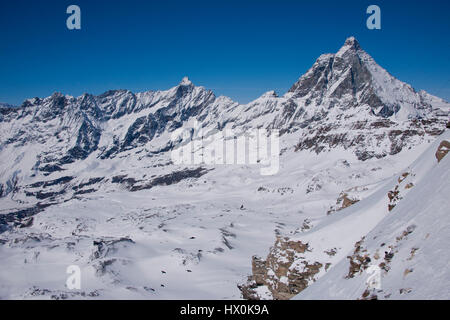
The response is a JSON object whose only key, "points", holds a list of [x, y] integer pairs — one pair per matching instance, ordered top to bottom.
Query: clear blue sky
{"points": [[236, 48]]}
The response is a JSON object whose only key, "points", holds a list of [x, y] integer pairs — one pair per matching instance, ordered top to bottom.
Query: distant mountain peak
{"points": [[351, 47], [351, 78], [185, 82], [6, 105]]}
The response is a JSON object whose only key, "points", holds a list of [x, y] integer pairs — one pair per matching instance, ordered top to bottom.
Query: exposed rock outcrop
{"points": [[442, 151], [342, 202], [283, 272]]}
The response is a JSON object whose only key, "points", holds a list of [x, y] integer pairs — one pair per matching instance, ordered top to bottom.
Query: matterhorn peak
{"points": [[351, 41], [351, 44]]}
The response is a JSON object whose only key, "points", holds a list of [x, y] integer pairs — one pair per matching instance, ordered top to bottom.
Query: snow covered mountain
{"points": [[6, 105], [90, 181], [408, 244]]}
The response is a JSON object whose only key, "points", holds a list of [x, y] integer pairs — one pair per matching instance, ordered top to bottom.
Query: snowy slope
{"points": [[416, 232], [329, 257]]}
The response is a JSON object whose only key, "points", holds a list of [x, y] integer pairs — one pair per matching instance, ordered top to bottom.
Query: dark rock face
{"points": [[347, 73], [315, 81], [116, 103], [55, 107], [170, 117], [140, 132], [370, 135], [87, 142], [50, 168], [164, 180], [91, 182], [44, 184], [11, 185], [20, 218], [106, 247]]}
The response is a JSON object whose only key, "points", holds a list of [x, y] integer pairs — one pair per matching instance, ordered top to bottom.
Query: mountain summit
{"points": [[352, 43], [351, 78], [185, 81]]}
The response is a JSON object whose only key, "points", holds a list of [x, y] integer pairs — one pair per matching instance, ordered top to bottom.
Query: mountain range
{"points": [[89, 181]]}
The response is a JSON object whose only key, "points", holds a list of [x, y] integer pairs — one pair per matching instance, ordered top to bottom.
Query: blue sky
{"points": [[236, 48]]}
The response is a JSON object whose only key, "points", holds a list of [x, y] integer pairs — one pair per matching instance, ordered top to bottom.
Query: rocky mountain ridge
{"points": [[344, 101]]}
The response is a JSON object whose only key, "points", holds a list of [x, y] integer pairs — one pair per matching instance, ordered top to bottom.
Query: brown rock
{"points": [[442, 151], [403, 177], [409, 185], [344, 201], [347, 202], [258, 270], [278, 273]]}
